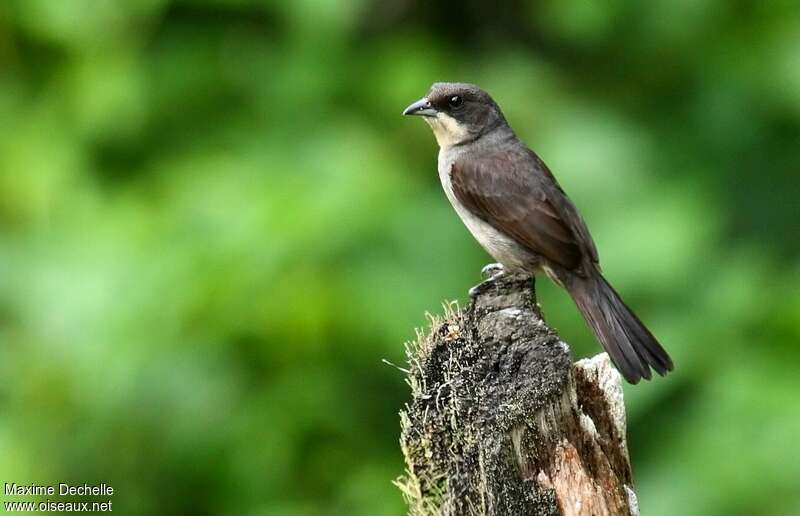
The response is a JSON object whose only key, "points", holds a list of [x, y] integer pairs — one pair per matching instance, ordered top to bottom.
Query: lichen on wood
{"points": [[502, 423]]}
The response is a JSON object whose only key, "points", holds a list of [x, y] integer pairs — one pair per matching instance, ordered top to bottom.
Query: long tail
{"points": [[632, 347]]}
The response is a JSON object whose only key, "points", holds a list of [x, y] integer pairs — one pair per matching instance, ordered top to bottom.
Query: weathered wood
{"points": [[502, 422]]}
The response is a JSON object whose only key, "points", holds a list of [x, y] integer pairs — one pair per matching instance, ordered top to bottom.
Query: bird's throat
{"points": [[447, 130]]}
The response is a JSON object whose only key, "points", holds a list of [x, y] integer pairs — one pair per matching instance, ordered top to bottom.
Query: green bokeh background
{"points": [[215, 224]]}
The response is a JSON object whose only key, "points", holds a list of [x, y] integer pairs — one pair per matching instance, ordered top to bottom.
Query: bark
{"points": [[501, 422]]}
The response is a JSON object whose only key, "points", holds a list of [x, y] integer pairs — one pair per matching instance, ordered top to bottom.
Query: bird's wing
{"points": [[516, 194]]}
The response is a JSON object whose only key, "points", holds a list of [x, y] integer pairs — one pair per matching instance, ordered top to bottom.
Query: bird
{"points": [[515, 208]]}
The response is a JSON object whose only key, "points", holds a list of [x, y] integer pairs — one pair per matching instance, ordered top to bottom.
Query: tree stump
{"points": [[501, 422]]}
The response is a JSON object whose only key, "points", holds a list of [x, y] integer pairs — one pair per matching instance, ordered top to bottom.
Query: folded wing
{"points": [[516, 194]]}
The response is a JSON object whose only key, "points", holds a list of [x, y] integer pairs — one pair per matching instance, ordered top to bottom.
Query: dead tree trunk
{"points": [[503, 423]]}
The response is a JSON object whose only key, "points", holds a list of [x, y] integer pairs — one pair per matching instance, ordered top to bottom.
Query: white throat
{"points": [[447, 130]]}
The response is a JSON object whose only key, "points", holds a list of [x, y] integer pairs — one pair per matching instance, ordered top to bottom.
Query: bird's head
{"points": [[457, 112]]}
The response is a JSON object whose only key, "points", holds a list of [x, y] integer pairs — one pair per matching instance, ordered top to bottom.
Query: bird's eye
{"points": [[455, 101]]}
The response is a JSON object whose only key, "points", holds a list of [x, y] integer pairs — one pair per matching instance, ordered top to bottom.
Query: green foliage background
{"points": [[215, 224]]}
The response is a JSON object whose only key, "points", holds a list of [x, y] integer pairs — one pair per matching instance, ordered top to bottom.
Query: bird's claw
{"points": [[492, 270], [489, 274], [477, 289]]}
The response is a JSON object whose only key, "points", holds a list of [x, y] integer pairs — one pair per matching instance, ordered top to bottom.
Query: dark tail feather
{"points": [[631, 346]]}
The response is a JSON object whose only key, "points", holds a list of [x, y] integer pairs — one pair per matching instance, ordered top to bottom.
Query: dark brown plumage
{"points": [[515, 192]]}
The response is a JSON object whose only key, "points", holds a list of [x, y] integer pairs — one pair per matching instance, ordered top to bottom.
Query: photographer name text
{"points": [[60, 489]]}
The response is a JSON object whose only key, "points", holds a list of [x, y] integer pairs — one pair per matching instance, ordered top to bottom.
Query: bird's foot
{"points": [[492, 270], [489, 274]]}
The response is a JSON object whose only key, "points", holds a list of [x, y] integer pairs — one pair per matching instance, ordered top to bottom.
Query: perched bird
{"points": [[515, 208]]}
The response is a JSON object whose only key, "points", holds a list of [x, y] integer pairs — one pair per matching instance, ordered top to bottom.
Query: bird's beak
{"points": [[422, 107]]}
